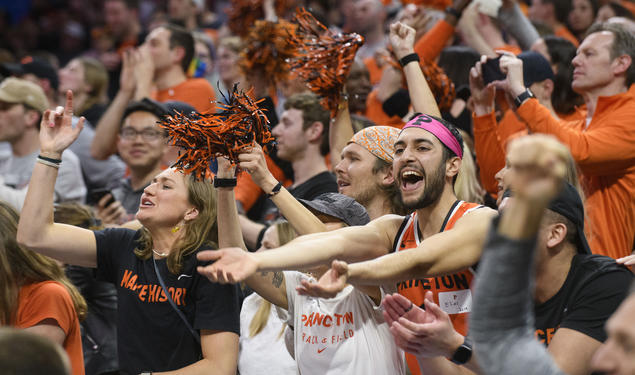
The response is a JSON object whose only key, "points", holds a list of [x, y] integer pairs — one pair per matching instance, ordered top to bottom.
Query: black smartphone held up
{"points": [[492, 71], [95, 196]]}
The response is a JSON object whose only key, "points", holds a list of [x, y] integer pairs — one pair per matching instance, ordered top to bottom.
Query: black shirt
{"points": [[324, 182], [592, 291], [151, 336]]}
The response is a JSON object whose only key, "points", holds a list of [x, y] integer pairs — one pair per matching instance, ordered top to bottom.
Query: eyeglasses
{"points": [[148, 134]]}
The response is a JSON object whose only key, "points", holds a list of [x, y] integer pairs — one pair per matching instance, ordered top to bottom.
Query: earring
{"points": [[176, 229]]}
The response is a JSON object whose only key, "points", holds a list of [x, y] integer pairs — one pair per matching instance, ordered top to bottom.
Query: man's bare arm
{"points": [[353, 244], [443, 253]]}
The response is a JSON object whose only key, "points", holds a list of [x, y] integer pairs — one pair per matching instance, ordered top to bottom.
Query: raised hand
{"points": [[402, 39], [512, 67], [127, 80], [482, 95], [56, 129], [253, 161], [537, 167], [225, 168], [231, 265], [331, 283], [426, 333]]}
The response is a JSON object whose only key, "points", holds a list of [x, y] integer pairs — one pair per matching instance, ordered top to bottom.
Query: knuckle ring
{"points": [[409, 307]]}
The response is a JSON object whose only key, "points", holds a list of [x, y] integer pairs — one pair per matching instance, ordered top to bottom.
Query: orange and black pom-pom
{"points": [[242, 14], [267, 50], [323, 58], [440, 84], [226, 133]]}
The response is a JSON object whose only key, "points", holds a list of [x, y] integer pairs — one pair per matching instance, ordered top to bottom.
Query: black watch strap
{"points": [[408, 59], [520, 99], [224, 182], [464, 353]]}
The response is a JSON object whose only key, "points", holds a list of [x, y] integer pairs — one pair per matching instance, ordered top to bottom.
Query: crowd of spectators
{"points": [[467, 207]]}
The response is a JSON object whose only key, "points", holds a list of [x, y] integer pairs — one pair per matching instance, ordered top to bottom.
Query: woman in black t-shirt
{"points": [[188, 323]]}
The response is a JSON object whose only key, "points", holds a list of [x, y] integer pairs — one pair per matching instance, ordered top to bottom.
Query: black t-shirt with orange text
{"points": [[592, 291], [151, 336]]}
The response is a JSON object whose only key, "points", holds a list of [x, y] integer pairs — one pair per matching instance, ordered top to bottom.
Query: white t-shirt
{"points": [[343, 335], [265, 353]]}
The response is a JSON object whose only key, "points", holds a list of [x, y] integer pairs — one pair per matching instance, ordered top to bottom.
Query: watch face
{"points": [[463, 353]]}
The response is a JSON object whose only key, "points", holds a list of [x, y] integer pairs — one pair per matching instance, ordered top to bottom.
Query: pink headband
{"points": [[439, 130]]}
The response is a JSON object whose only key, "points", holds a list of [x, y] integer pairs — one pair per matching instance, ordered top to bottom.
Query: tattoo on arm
{"points": [[277, 278]]}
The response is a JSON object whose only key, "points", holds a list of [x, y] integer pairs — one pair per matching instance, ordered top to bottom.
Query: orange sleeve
{"points": [[564, 33], [430, 45], [509, 48], [374, 71], [376, 114], [510, 126], [598, 150], [490, 155], [49, 300]]}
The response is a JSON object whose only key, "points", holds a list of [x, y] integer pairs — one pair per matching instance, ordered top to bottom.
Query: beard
{"points": [[432, 191]]}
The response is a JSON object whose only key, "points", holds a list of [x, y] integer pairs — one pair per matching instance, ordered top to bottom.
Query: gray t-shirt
{"points": [[69, 186]]}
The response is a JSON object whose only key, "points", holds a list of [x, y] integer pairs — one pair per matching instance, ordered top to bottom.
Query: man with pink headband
{"points": [[444, 236]]}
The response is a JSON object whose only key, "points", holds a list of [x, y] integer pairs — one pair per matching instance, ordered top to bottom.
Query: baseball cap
{"points": [[36, 66], [536, 68], [16, 90], [569, 204], [339, 206]]}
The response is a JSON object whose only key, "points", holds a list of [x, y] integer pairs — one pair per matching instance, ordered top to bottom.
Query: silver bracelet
{"points": [[50, 164]]}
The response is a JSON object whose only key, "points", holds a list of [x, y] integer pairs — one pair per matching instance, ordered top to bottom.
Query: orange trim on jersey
{"points": [[451, 292]]}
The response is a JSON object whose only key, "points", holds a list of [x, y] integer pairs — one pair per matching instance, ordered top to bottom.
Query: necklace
{"points": [[159, 254]]}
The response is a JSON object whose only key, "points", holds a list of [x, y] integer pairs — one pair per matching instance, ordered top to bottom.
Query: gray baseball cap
{"points": [[339, 206]]}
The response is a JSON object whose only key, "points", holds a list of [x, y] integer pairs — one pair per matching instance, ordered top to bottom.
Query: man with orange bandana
{"points": [[427, 158]]}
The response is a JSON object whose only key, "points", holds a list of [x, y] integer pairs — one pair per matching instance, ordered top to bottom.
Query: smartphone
{"points": [[492, 71], [95, 196]]}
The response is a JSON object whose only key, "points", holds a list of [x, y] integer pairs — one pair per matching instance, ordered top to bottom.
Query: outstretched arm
{"points": [[36, 229], [352, 244]]}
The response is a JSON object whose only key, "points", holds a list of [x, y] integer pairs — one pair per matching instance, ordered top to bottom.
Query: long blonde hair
{"points": [[467, 186], [200, 231], [285, 233], [19, 266]]}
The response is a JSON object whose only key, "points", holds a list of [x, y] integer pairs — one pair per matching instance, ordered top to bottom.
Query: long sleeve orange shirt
{"points": [[605, 152]]}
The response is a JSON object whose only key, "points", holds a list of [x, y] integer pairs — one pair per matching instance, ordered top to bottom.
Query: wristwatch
{"points": [[520, 99], [463, 353]]}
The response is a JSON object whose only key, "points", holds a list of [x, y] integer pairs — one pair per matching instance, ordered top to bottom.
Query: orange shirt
{"points": [[563, 32], [430, 45], [196, 92], [376, 114], [490, 142], [605, 153], [451, 292], [51, 300]]}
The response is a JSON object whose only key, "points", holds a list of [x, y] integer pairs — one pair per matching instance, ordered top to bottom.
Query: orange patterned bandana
{"points": [[379, 140]]}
